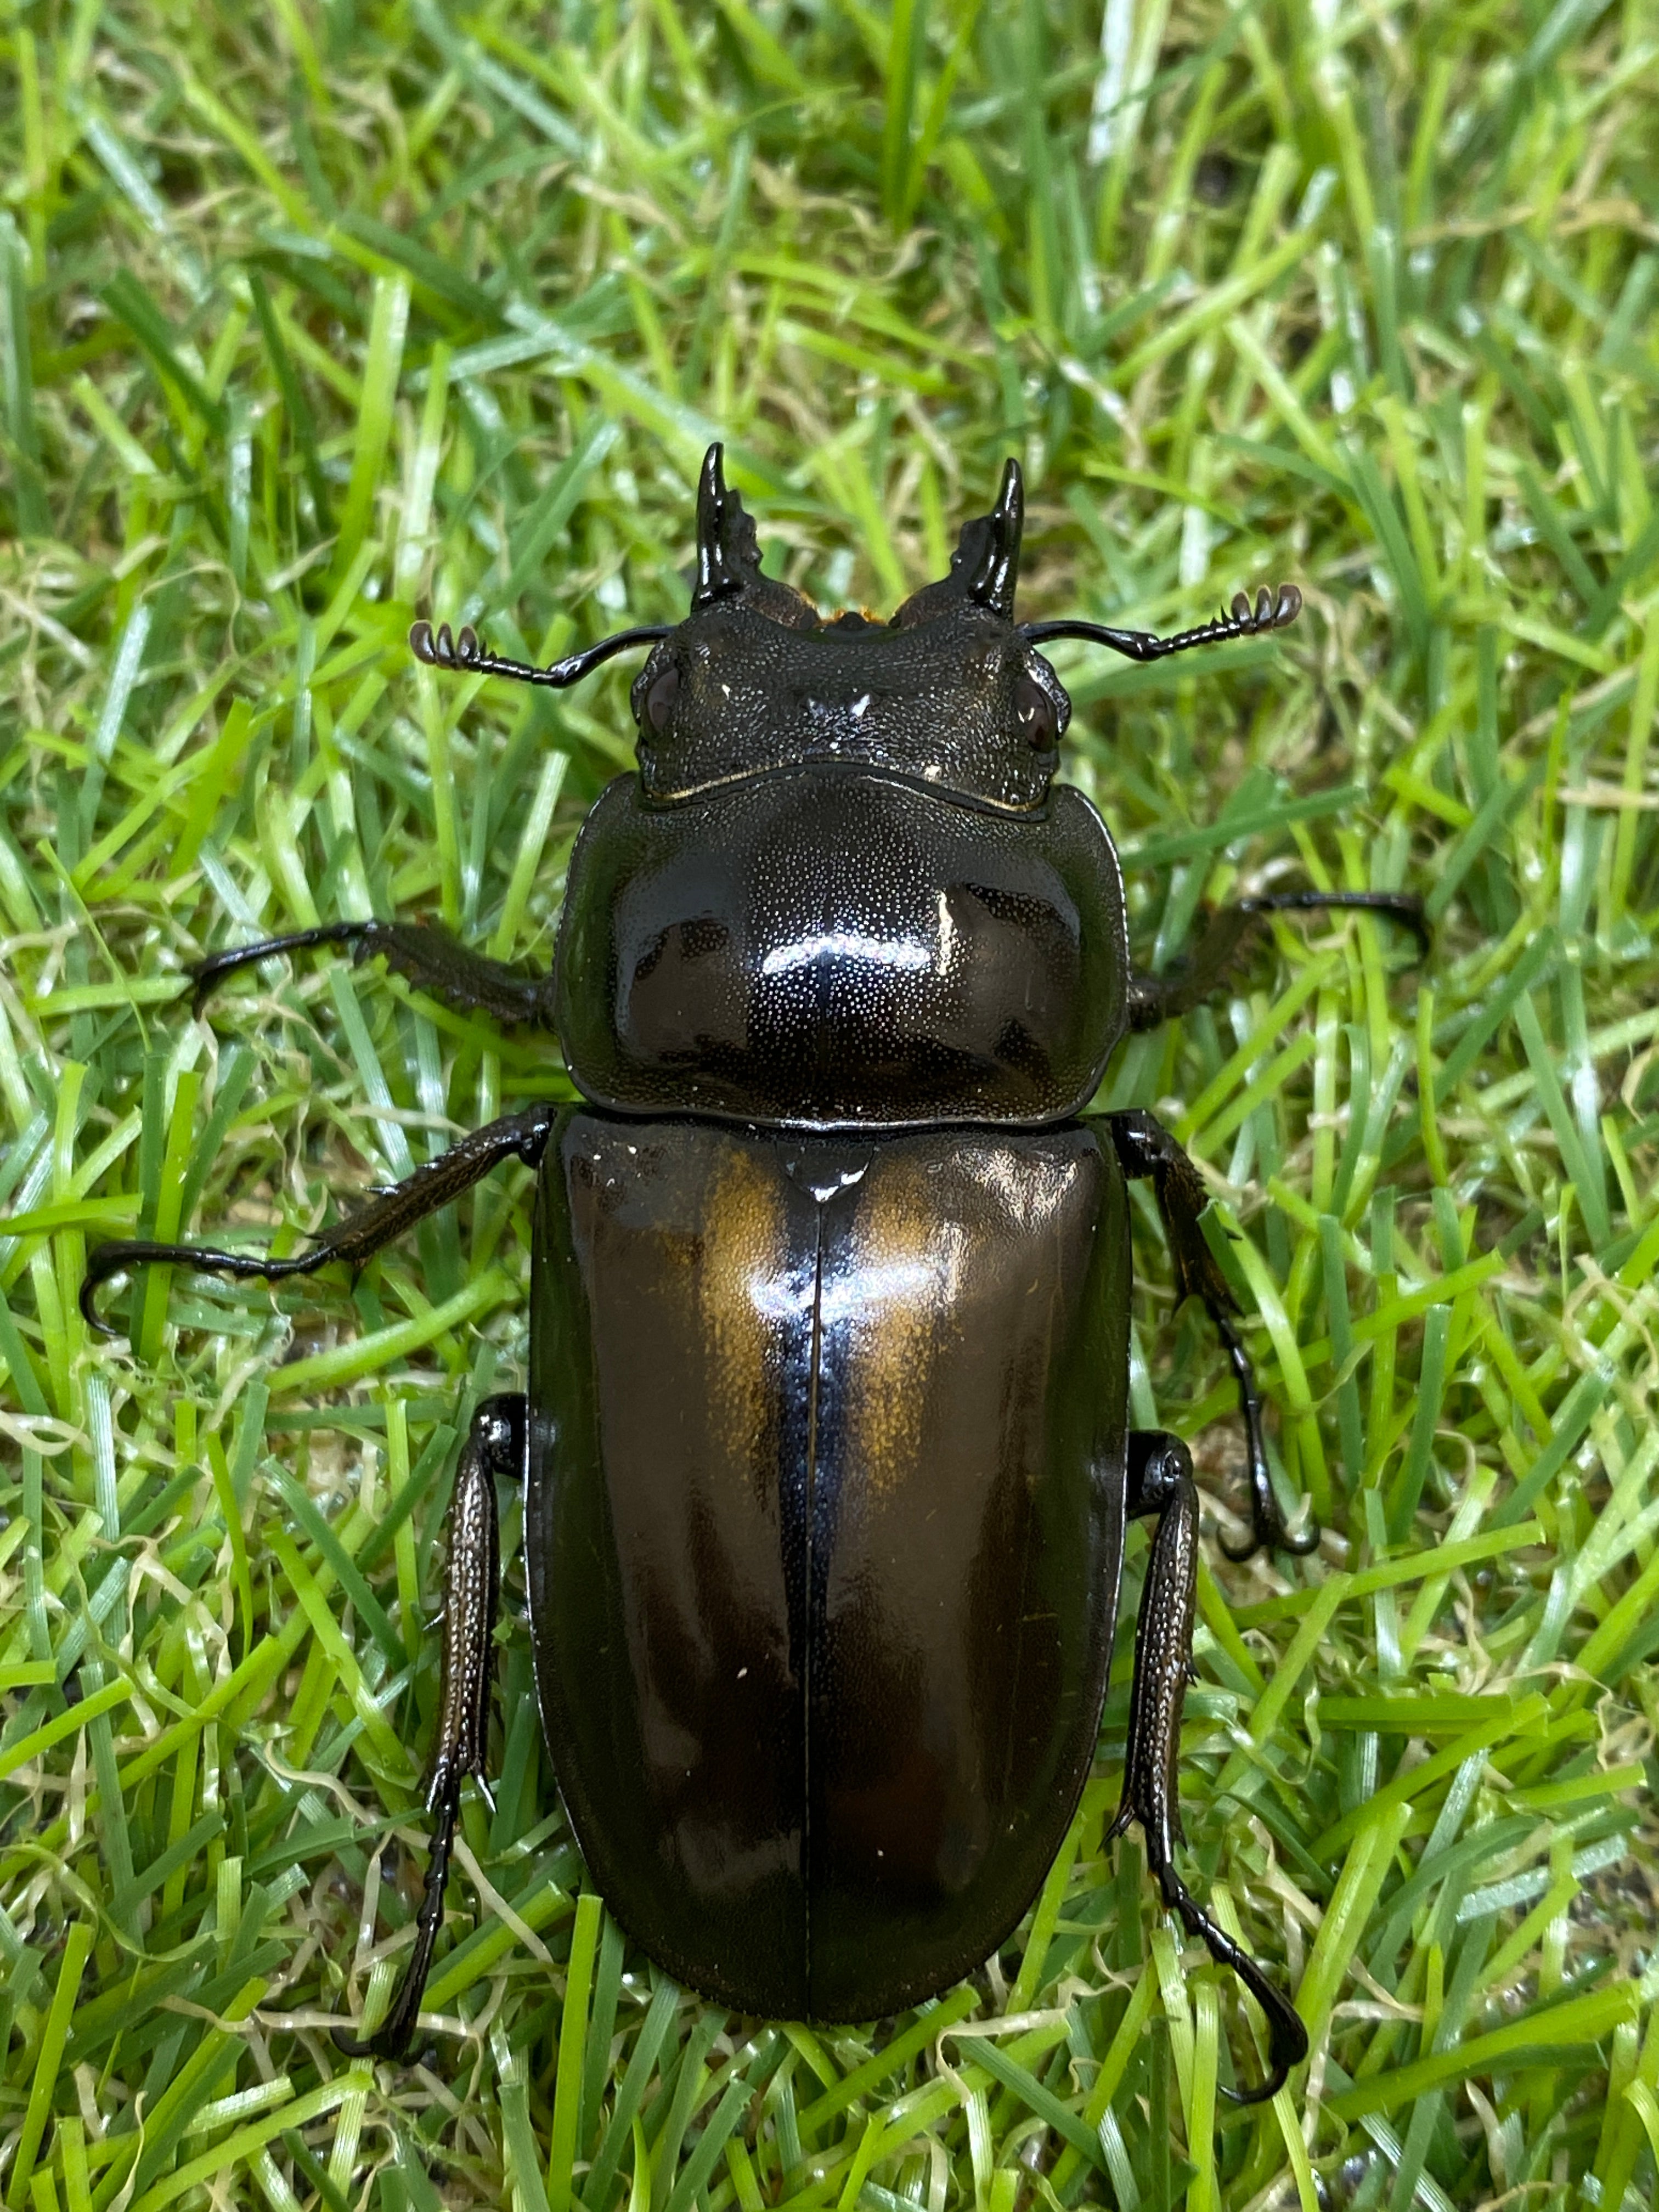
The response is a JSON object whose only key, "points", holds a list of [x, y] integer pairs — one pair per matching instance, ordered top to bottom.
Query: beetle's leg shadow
{"points": [[429, 957], [1157, 999], [1145, 1148], [354, 1240], [496, 1446], [1160, 1485]]}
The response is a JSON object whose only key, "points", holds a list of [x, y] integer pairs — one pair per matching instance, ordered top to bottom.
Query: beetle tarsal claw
{"points": [[121, 1254], [1287, 2037]]}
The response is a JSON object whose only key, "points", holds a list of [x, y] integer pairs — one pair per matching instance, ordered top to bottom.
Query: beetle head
{"points": [[948, 693]]}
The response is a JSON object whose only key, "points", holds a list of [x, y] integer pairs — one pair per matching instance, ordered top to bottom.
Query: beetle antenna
{"points": [[1271, 611], [439, 649]]}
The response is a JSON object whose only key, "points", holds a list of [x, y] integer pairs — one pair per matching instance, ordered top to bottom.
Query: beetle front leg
{"points": [[427, 957], [1157, 999], [1145, 1148], [496, 1446], [1160, 1485]]}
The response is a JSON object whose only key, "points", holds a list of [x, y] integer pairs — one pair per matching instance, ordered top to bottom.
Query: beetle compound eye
{"points": [[659, 700], [1034, 710]]}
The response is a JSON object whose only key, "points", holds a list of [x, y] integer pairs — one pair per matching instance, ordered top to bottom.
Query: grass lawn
{"points": [[318, 316]]}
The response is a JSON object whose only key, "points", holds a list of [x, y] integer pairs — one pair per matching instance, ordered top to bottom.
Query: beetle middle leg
{"points": [[429, 957], [1156, 999], [1145, 1148], [354, 1240], [496, 1446], [1160, 1485]]}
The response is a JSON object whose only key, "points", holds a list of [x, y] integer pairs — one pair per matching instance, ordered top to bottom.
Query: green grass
{"points": [[315, 317]]}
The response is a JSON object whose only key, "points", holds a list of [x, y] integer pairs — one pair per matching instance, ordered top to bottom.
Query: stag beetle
{"points": [[826, 1438]]}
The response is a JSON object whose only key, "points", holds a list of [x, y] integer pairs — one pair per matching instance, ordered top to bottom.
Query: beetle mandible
{"points": [[826, 1436]]}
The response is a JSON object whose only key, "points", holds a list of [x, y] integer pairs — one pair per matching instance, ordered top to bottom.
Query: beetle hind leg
{"points": [[427, 957], [496, 1446], [1160, 1484]]}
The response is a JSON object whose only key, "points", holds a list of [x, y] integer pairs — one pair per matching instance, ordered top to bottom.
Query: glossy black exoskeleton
{"points": [[826, 1436]]}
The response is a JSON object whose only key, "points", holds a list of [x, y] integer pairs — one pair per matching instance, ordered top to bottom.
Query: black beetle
{"points": [[826, 1436]]}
